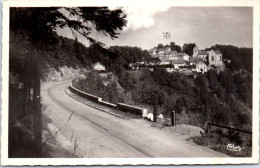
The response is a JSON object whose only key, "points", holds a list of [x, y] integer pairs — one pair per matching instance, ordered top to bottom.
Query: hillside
{"points": [[209, 98], [223, 98]]}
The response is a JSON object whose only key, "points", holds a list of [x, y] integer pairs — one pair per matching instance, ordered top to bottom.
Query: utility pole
{"points": [[25, 82], [154, 113], [173, 118]]}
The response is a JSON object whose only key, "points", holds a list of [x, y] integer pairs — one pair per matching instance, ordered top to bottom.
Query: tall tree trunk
{"points": [[27, 78], [25, 85], [37, 105], [154, 113]]}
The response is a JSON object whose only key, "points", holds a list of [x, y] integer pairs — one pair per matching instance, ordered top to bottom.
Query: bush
{"points": [[95, 85], [218, 141]]}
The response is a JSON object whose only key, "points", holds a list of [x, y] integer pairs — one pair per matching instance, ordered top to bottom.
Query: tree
{"points": [[40, 24], [160, 46], [175, 47], [188, 48], [77, 52], [129, 54], [213, 79], [226, 80], [221, 93], [152, 94], [184, 104]]}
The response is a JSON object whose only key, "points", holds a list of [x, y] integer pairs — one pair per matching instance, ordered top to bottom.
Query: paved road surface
{"points": [[98, 134]]}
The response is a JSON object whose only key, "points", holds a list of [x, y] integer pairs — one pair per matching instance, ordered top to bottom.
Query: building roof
{"points": [[152, 49], [160, 49], [217, 51], [167, 52], [174, 52], [203, 53], [182, 54], [157, 55], [161, 55], [164, 59], [195, 59], [181, 61], [163, 62], [200, 62], [98, 63]]}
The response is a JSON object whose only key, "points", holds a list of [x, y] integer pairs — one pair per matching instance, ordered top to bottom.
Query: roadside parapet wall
{"points": [[85, 95], [108, 104], [121, 106], [132, 109]]}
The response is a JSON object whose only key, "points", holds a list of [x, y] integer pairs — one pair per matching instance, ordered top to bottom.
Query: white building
{"points": [[186, 57], [213, 57], [165, 63], [178, 63], [99, 67], [201, 67]]}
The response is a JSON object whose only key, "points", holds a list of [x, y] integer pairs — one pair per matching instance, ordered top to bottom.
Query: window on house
{"points": [[212, 58]]}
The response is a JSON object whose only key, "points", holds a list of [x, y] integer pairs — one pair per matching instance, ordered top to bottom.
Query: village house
{"points": [[167, 48], [152, 51], [160, 51], [195, 51], [168, 53], [203, 55], [178, 56], [183, 56], [173, 57], [186, 57], [212, 57], [215, 58], [164, 60], [195, 60], [199, 62], [165, 63], [178, 63], [98, 67], [201, 67]]}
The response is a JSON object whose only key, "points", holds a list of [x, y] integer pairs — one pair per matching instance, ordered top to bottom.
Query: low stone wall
{"points": [[85, 95], [111, 105], [121, 106], [132, 109]]}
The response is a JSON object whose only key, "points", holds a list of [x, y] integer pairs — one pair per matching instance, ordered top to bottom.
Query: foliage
{"points": [[41, 22], [36, 27], [160, 46], [172, 46], [175, 47], [188, 48], [129, 54], [241, 58], [95, 84], [151, 94], [211, 97], [218, 140]]}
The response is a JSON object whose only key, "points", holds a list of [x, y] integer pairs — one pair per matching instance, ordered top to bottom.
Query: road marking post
{"points": [[173, 118]]}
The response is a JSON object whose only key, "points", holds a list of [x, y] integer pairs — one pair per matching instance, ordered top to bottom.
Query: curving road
{"points": [[92, 133]]}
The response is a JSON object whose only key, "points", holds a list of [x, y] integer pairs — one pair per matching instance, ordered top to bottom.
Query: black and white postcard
{"points": [[157, 82]]}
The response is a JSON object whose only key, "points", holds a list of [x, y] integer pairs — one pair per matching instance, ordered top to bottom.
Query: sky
{"points": [[205, 26]]}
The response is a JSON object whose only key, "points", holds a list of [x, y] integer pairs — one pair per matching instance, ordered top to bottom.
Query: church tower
{"points": [[195, 51]]}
